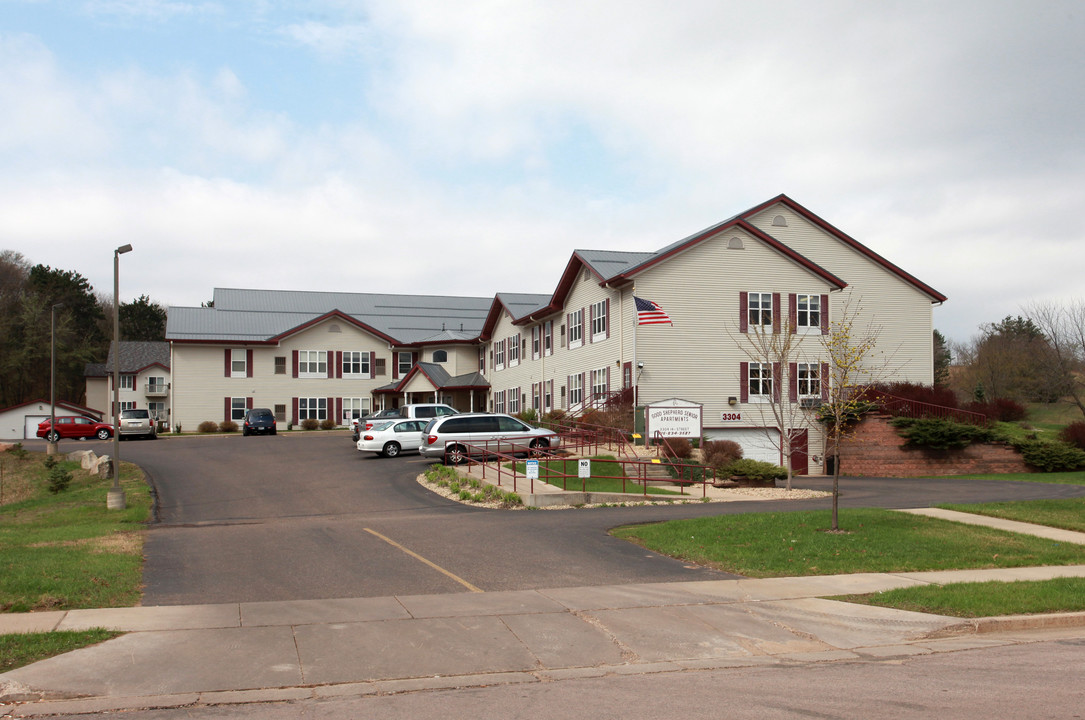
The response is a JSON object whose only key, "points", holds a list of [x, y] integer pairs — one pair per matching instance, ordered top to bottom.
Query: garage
{"points": [[32, 422], [756, 443]]}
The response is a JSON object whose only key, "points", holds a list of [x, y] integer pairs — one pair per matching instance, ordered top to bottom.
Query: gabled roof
{"points": [[519, 306], [135, 357], [439, 377], [60, 404]]}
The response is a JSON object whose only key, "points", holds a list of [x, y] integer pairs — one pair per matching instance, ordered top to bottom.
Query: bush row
{"points": [[941, 434]]}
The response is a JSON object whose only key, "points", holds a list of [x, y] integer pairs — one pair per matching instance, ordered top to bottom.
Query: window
{"points": [[760, 308], [808, 312], [599, 320], [576, 329], [536, 333], [548, 337], [514, 350], [499, 355], [440, 356], [405, 360], [482, 360], [312, 363], [355, 363], [380, 366], [280, 367], [809, 380], [128, 382], [760, 382], [599, 383], [156, 385], [576, 390], [535, 396], [548, 396], [514, 401], [499, 402], [128, 405], [237, 408], [312, 408], [354, 408], [157, 410], [280, 410]]}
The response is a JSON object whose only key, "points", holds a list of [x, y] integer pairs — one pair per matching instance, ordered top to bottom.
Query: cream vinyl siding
{"points": [[903, 313], [698, 357], [462, 359], [199, 385]]}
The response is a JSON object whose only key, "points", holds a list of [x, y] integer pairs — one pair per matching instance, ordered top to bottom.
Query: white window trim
{"points": [[761, 309], [599, 317], [576, 322], [808, 328], [548, 338], [513, 350], [499, 356], [305, 359], [363, 364], [815, 370], [599, 383], [576, 390], [760, 397], [307, 405], [352, 405], [238, 408]]}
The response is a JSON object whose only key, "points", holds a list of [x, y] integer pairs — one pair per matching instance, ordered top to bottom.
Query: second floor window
{"points": [[760, 309], [808, 311], [599, 321], [576, 329], [514, 350], [312, 363], [355, 363], [808, 380], [760, 381], [128, 382]]}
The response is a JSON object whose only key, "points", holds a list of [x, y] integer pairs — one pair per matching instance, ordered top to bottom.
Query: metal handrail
{"points": [[915, 409]]}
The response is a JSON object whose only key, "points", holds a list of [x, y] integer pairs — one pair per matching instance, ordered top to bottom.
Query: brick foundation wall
{"points": [[875, 449]]}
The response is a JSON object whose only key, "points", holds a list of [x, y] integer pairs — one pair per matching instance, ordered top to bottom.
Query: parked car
{"points": [[426, 410], [258, 421], [137, 422], [367, 422], [75, 426], [391, 437], [452, 437]]}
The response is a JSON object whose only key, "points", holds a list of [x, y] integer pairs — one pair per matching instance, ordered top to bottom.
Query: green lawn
{"points": [[606, 474], [1057, 478], [1068, 514], [796, 543], [66, 550], [985, 599], [19, 650]]}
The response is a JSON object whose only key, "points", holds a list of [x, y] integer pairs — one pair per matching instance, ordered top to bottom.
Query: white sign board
{"points": [[673, 419], [583, 468], [532, 469]]}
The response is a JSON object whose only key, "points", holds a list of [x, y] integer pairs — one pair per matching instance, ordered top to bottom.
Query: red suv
{"points": [[75, 427]]}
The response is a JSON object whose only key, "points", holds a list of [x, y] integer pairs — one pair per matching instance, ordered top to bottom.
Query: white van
{"points": [[420, 411]]}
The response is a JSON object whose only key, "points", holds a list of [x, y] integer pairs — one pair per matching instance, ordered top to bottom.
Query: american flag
{"points": [[649, 313]]}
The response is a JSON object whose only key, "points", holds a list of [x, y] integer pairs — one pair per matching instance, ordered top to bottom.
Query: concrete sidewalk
{"points": [[255, 652]]}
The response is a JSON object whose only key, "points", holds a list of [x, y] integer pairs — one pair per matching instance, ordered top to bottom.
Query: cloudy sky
{"points": [[469, 147]]}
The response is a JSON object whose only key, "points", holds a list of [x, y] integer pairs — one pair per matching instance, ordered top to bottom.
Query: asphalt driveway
{"points": [[306, 516]]}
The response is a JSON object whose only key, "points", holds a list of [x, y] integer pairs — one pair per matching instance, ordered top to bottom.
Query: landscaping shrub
{"points": [[919, 393], [999, 409], [529, 416], [310, 424], [327, 424], [208, 426], [228, 426], [940, 434], [1074, 434], [680, 448], [18, 451], [720, 453], [1051, 456], [49, 461], [756, 470], [59, 479]]}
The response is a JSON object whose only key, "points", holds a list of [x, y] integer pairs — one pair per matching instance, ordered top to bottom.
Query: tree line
{"points": [[84, 328]]}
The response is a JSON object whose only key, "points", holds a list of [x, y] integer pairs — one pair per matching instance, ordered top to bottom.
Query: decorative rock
{"points": [[105, 467]]}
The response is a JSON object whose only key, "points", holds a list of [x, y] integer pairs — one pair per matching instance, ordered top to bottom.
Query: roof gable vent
{"points": [[779, 221], [735, 243], [333, 328]]}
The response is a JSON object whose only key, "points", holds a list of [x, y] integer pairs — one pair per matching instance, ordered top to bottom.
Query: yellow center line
{"points": [[418, 557]]}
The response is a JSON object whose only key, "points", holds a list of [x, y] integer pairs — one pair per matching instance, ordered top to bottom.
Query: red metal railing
{"points": [[903, 407]]}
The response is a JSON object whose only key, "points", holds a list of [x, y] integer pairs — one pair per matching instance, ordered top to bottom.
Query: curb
{"points": [[1011, 623]]}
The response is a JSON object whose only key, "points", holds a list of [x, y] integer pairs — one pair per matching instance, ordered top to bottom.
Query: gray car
{"points": [[136, 422], [454, 438]]}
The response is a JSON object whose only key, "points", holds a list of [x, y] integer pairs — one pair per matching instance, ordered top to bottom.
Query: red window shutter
{"points": [[606, 308], [792, 311], [776, 312], [744, 313], [824, 314], [583, 319], [591, 323], [228, 359], [414, 359], [248, 363], [330, 364], [338, 364], [372, 365], [395, 366], [295, 375], [608, 378], [823, 378], [744, 380], [793, 381], [776, 382], [568, 391], [248, 403], [330, 406], [338, 409], [226, 414], [294, 416]]}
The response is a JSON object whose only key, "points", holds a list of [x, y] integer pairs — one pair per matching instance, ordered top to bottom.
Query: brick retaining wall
{"points": [[875, 449]]}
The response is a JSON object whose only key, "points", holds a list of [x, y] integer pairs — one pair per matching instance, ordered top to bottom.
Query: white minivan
{"points": [[420, 411]]}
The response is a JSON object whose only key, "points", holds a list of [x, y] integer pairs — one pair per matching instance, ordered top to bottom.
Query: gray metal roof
{"points": [[608, 263], [523, 304], [259, 315]]}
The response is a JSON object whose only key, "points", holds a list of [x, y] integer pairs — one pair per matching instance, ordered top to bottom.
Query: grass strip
{"points": [[606, 474], [1055, 478], [1068, 514], [797, 543], [66, 550], [985, 599], [26, 648]]}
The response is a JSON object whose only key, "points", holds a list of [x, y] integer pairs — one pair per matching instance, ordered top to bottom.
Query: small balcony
{"points": [[156, 390]]}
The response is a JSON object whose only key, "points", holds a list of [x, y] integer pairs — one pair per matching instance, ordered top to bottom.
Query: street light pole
{"points": [[54, 436], [115, 498]]}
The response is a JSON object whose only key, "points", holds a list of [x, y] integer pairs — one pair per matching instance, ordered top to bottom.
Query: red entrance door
{"points": [[800, 452]]}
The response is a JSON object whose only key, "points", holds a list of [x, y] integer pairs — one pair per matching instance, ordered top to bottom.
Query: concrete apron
{"points": [[180, 655]]}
